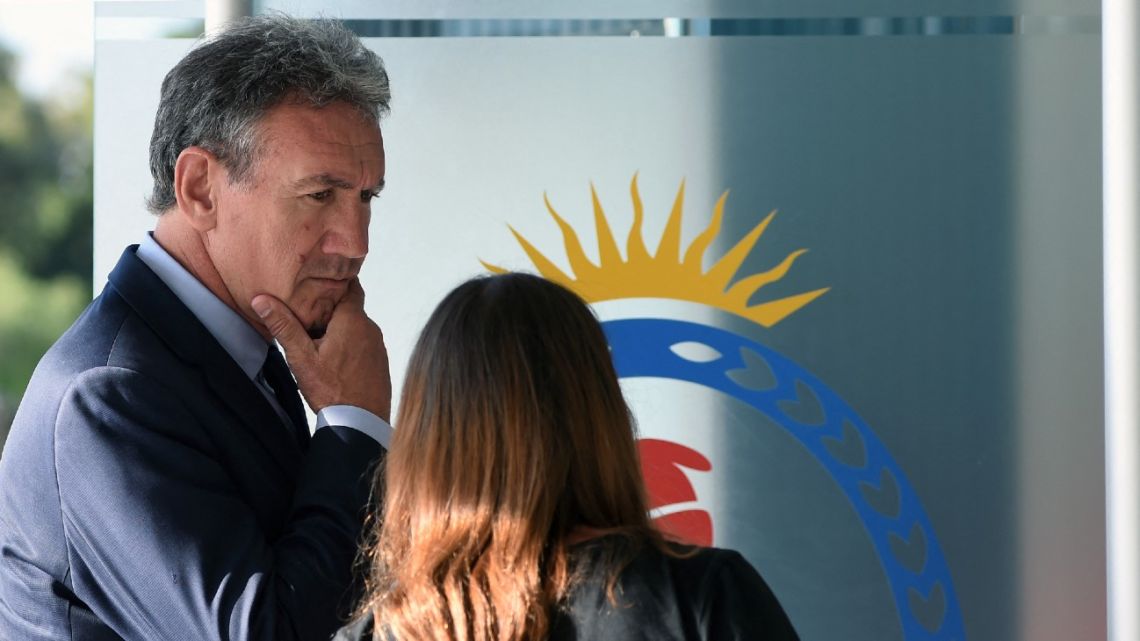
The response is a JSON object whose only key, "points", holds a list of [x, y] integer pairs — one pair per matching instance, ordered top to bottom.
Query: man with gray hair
{"points": [[161, 480]]}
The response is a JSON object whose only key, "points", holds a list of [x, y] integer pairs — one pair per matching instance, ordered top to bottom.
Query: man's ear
{"points": [[195, 172]]}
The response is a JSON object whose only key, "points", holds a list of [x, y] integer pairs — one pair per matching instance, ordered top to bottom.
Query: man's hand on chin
{"points": [[346, 366]]}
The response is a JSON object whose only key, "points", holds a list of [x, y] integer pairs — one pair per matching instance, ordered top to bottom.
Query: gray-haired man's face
{"points": [[297, 228]]}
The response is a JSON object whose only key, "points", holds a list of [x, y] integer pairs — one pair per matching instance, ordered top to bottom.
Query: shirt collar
{"points": [[240, 340]]}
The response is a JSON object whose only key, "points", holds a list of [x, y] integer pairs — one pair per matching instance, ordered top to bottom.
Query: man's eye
{"points": [[368, 195], [321, 196]]}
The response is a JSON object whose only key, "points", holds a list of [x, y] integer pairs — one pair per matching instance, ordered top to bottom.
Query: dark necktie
{"points": [[277, 374]]}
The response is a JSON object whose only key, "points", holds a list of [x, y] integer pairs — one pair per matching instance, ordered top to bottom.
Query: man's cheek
{"points": [[301, 303]]}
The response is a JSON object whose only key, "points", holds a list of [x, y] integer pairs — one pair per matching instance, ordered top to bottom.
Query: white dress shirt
{"points": [[243, 343]]}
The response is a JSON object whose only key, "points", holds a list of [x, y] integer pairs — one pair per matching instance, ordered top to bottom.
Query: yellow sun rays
{"points": [[666, 273]]}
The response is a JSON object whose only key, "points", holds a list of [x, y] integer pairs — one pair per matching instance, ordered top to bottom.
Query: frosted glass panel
{"points": [[634, 9], [902, 429]]}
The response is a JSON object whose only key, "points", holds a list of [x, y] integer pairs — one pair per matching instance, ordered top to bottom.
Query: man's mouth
{"points": [[331, 282]]}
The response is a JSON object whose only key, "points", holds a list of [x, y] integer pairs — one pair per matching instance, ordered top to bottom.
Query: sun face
{"points": [[667, 273]]}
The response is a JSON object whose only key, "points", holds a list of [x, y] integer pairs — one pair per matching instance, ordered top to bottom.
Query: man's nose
{"points": [[347, 231]]}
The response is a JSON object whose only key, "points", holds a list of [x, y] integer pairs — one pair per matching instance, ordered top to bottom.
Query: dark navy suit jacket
{"points": [[149, 491]]}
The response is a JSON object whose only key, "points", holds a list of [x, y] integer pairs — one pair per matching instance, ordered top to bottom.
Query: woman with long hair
{"points": [[513, 507]]}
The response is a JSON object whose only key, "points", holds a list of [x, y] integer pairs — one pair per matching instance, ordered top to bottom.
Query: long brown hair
{"points": [[512, 432]]}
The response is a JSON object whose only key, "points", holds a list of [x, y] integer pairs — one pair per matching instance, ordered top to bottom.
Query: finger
{"points": [[284, 326]]}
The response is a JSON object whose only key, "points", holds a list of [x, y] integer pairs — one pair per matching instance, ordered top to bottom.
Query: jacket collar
{"points": [[232, 331], [189, 339]]}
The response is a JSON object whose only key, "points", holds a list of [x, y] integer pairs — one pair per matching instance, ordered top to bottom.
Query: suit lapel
{"points": [[179, 329]]}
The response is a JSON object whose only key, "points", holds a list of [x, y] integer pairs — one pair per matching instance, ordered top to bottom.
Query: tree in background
{"points": [[46, 203]]}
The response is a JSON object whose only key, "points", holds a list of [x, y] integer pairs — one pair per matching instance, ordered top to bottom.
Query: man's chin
{"points": [[319, 313], [319, 323]]}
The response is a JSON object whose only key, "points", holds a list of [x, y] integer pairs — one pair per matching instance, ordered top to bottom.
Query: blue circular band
{"points": [[641, 347]]}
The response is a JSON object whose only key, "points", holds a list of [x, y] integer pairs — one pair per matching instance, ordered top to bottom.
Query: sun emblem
{"points": [[666, 273]]}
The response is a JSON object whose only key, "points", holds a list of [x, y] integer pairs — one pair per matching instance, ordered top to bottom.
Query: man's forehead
{"points": [[337, 124], [324, 140]]}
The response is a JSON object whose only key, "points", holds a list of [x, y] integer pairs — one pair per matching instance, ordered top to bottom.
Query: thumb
{"points": [[284, 326]]}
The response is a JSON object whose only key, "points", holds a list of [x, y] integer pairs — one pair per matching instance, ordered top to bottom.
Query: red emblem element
{"points": [[661, 465]]}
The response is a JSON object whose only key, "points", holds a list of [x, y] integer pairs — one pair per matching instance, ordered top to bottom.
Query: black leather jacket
{"points": [[703, 594]]}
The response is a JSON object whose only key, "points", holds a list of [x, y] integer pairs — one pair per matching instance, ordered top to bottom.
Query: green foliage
{"points": [[45, 179], [46, 204], [33, 313]]}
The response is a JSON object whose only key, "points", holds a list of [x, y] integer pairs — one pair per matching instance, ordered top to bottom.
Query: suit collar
{"points": [[189, 339], [240, 340]]}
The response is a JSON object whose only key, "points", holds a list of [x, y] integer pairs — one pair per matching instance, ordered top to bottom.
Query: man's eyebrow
{"points": [[327, 180]]}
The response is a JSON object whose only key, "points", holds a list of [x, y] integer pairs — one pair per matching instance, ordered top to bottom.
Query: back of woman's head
{"points": [[512, 431]]}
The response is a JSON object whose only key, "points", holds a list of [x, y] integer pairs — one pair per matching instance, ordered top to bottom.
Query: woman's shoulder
{"points": [[696, 558], [679, 561], [695, 570], [689, 592], [730, 595], [357, 630]]}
